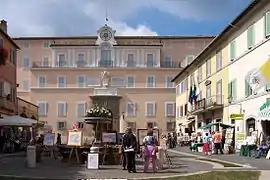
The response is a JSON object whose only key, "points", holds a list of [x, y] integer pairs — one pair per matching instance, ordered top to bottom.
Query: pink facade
{"points": [[63, 76]]}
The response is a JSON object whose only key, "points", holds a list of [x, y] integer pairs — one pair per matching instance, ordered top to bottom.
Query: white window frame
{"points": [[46, 43], [152, 54], [84, 59], [43, 60], [58, 60], [218, 60], [133, 61], [29, 63], [200, 74], [45, 78], [166, 80], [65, 81], [77, 81], [134, 83], [154, 83], [118, 85], [23, 86], [169, 103], [46, 108], [77, 108], [65, 109], [134, 109], [146, 109], [65, 125]]}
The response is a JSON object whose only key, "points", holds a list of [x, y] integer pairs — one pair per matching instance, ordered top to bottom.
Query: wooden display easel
{"points": [[74, 150]]}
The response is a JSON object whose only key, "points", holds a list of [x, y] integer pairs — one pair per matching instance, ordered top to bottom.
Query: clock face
{"points": [[106, 35]]}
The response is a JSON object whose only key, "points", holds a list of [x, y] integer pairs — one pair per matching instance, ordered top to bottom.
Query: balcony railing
{"points": [[105, 63], [214, 101], [199, 105]]}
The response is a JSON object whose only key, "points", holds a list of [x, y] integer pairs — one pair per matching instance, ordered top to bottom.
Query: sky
{"points": [[127, 17]]}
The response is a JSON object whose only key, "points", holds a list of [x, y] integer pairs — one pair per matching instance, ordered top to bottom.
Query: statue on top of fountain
{"points": [[105, 79]]}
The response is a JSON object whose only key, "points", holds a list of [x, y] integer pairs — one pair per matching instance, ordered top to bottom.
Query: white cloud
{"points": [[84, 17]]}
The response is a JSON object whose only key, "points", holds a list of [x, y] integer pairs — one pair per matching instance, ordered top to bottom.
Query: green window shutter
{"points": [[267, 24], [250, 37], [232, 50], [248, 90], [230, 91], [234, 95]]}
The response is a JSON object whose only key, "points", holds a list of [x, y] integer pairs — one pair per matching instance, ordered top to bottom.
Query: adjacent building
{"points": [[222, 74], [130, 75], [8, 84]]}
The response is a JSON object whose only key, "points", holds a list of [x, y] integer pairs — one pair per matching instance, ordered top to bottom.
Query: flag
{"points": [[260, 77], [196, 94], [190, 95]]}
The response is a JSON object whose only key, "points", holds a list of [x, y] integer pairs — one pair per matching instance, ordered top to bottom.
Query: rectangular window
{"points": [[267, 24], [250, 37], [26, 44], [46, 44], [232, 50], [12, 56], [190, 58], [106, 60], [150, 60], [218, 60], [61, 61], [81, 61], [131, 61], [26, 62], [45, 62], [167, 62], [208, 68], [200, 74], [192, 80], [42, 81], [80, 81], [118, 81], [151, 81], [61, 82], [130, 82], [169, 83], [25, 85], [183, 86], [248, 89], [232, 91], [219, 92], [208, 95], [81, 108], [42, 109], [62, 109], [131, 109], [150, 109], [169, 111], [61, 125], [170, 126]]}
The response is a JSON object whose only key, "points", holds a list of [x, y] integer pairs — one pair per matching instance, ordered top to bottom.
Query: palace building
{"points": [[131, 75]]}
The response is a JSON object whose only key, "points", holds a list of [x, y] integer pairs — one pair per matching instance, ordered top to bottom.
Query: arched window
{"points": [[105, 56]]}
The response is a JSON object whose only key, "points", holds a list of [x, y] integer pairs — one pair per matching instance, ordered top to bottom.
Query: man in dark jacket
{"points": [[130, 147]]}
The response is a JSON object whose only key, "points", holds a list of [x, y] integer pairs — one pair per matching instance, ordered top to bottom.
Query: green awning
{"points": [[208, 126]]}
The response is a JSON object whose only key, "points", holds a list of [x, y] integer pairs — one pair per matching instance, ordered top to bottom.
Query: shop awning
{"points": [[264, 115], [16, 121], [188, 122], [208, 126]]}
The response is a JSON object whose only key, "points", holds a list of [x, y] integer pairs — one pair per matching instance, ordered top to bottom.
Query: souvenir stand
{"points": [[105, 140]]}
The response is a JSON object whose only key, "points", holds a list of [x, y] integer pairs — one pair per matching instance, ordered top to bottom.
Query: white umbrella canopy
{"points": [[16, 121]]}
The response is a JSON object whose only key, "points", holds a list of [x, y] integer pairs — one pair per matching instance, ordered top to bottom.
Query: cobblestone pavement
{"points": [[262, 164], [55, 169]]}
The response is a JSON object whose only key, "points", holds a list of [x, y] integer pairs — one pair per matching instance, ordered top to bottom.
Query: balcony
{"points": [[104, 64], [105, 92], [214, 102], [7, 104], [198, 107], [27, 109]]}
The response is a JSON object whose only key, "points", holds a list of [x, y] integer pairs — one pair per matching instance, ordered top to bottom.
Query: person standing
{"points": [[217, 141], [150, 144], [206, 145], [130, 147]]}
